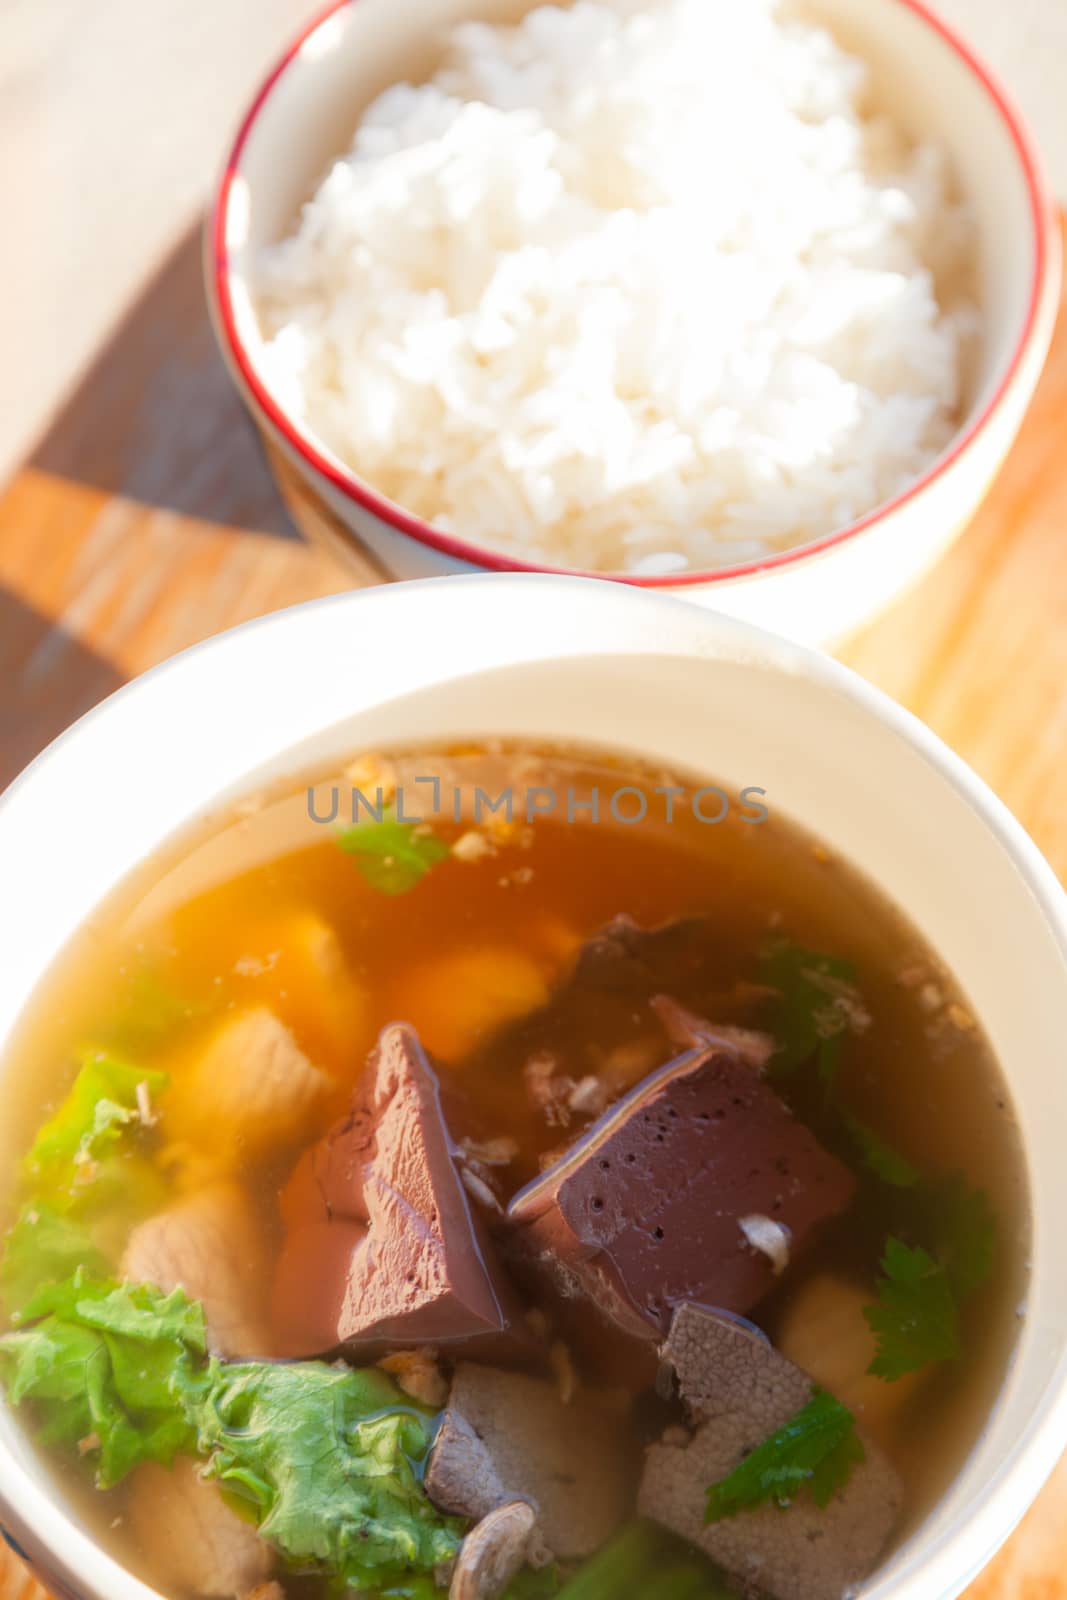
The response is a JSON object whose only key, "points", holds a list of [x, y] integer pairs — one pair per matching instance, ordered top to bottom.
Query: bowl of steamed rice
{"points": [[744, 301]]}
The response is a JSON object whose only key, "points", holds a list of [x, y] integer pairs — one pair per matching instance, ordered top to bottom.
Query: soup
{"points": [[506, 1172]]}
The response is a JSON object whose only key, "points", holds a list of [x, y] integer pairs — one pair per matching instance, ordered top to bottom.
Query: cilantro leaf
{"points": [[393, 856], [817, 1003], [100, 1104], [879, 1157], [965, 1233], [41, 1248], [915, 1320], [108, 1369], [815, 1451], [328, 1461]]}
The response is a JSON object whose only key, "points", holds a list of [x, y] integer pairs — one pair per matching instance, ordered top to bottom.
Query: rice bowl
{"points": [[304, 115], [530, 308]]}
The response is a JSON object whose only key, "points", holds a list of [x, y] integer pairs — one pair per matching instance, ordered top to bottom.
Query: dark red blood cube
{"points": [[645, 1211], [383, 1249]]}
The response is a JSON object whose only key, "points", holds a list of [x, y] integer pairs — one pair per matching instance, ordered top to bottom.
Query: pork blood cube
{"points": [[646, 1210], [382, 1246]]}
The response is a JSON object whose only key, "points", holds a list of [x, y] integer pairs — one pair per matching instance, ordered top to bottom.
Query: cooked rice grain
{"points": [[640, 285]]}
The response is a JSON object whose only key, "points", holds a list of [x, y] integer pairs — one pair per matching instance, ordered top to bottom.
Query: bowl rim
{"points": [[305, 444]]}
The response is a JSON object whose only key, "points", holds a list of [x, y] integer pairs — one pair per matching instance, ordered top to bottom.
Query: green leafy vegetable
{"points": [[393, 856], [817, 1003], [148, 1009], [102, 1101], [879, 1157], [79, 1169], [965, 1233], [43, 1248], [916, 1319], [110, 1369], [815, 1452], [325, 1460], [328, 1461], [646, 1561], [682, 1580], [542, 1583]]}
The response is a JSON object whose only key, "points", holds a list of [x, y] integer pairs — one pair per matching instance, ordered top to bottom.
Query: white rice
{"points": [[639, 285]]}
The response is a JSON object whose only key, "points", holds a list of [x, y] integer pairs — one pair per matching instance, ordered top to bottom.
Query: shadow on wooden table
{"points": [[156, 418], [36, 657]]}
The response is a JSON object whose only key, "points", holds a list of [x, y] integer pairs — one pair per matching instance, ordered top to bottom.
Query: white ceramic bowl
{"points": [[305, 115], [473, 657]]}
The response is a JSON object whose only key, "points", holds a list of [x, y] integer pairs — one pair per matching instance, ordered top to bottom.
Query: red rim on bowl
{"points": [[1042, 214]]}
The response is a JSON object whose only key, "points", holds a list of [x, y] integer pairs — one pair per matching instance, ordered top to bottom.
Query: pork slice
{"points": [[252, 1090], [647, 1209], [209, 1244], [383, 1250], [739, 1390], [507, 1437], [191, 1538]]}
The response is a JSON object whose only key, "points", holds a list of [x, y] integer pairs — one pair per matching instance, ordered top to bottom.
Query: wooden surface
{"points": [[113, 118], [146, 521]]}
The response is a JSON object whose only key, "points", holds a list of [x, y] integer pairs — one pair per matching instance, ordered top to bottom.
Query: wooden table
{"points": [[146, 521]]}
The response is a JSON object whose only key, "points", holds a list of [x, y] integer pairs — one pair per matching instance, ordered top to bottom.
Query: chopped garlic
{"points": [[370, 772], [473, 846], [255, 966], [589, 1095], [144, 1105], [499, 1152], [479, 1190], [769, 1237], [418, 1375]]}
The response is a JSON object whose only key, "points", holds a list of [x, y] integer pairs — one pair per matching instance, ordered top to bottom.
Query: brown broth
{"points": [[232, 918]]}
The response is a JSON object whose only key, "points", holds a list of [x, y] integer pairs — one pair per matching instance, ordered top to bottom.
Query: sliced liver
{"points": [[644, 1211], [383, 1249], [739, 1391], [507, 1437]]}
